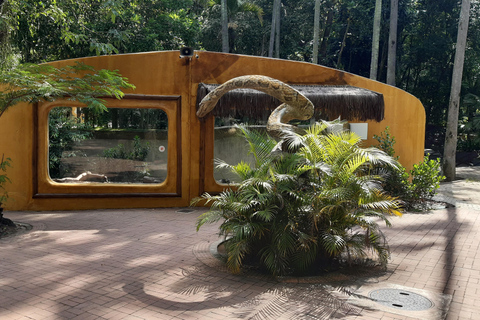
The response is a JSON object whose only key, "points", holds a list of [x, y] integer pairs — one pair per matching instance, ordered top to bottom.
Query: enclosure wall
{"points": [[172, 82]]}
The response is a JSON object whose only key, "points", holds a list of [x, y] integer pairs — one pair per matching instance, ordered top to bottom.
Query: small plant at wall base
{"points": [[386, 142], [4, 163], [425, 177], [4, 179], [395, 179], [307, 211]]}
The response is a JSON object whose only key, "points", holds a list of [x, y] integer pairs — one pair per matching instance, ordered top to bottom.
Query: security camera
{"points": [[186, 52]]}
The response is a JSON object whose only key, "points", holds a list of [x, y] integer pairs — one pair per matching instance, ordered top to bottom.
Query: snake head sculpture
{"points": [[295, 105]]}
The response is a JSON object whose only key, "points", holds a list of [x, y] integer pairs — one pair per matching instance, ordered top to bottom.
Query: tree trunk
{"points": [[273, 28], [277, 29], [316, 31], [327, 31], [376, 39], [344, 41], [392, 43], [225, 44], [450, 149]]}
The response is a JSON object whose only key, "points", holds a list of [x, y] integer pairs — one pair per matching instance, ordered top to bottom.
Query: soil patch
{"points": [[11, 230]]}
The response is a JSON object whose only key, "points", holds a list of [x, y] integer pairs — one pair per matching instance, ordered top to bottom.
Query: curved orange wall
{"points": [[166, 74]]}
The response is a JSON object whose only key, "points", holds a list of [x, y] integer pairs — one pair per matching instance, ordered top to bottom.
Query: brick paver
{"points": [[151, 264]]}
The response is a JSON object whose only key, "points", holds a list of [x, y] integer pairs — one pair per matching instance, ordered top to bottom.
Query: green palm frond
{"points": [[251, 7], [261, 145], [378, 157], [243, 169], [257, 184], [320, 201], [381, 202], [267, 214], [333, 244], [236, 251], [306, 254], [274, 262]]}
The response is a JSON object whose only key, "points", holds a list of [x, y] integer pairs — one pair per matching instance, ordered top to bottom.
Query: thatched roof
{"points": [[331, 102]]}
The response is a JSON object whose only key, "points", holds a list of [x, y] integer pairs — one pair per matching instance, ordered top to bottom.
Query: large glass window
{"points": [[121, 145], [231, 146]]}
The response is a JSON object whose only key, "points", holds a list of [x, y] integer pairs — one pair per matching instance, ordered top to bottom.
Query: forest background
{"points": [[33, 31]]}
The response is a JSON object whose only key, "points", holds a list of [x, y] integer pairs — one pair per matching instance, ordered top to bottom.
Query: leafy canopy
{"points": [[32, 83]]}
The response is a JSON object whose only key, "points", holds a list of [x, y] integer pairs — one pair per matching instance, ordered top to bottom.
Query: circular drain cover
{"points": [[401, 299]]}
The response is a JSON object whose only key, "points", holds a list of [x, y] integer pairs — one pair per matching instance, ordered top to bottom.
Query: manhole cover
{"points": [[401, 299]]}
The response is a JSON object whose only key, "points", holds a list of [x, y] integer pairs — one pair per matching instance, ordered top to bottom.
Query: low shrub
{"points": [[414, 187]]}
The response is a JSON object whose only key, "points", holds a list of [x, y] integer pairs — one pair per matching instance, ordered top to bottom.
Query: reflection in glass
{"points": [[115, 146], [231, 147]]}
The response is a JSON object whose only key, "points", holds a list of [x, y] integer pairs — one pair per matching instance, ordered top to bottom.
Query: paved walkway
{"points": [[151, 264]]}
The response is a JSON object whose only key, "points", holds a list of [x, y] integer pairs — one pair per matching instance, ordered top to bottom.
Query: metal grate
{"points": [[401, 299]]}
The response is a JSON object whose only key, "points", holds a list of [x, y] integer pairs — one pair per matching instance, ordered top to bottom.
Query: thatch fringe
{"points": [[331, 102]]}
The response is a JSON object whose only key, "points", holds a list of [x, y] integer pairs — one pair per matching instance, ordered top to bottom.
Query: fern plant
{"points": [[298, 212]]}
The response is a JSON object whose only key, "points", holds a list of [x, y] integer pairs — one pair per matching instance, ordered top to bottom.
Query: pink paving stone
{"points": [[141, 264]]}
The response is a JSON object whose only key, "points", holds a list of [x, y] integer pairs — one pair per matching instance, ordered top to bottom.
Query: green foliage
{"points": [[8, 10], [245, 26], [61, 29], [49, 30], [32, 83], [469, 124], [63, 131], [386, 142], [139, 151], [117, 152], [425, 176], [4, 179], [426, 179], [396, 180], [299, 212]]}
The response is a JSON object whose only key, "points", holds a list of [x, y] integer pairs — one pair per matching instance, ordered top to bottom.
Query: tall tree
{"points": [[7, 23], [277, 29], [328, 29], [273, 30], [316, 31], [376, 39], [225, 41], [392, 42], [342, 46], [450, 149]]}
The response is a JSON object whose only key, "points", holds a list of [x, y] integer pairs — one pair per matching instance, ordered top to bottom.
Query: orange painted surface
{"points": [[190, 167]]}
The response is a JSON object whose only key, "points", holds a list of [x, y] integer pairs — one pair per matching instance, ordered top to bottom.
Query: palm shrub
{"points": [[298, 212]]}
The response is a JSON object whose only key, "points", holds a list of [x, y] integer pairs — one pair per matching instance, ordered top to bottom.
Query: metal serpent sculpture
{"points": [[295, 105]]}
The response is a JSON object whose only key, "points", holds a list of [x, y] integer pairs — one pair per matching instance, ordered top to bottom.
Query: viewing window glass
{"points": [[118, 146], [231, 146]]}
